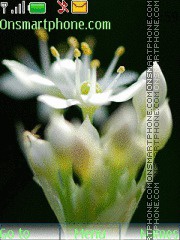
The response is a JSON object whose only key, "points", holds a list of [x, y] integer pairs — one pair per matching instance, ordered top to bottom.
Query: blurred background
{"points": [[22, 200]]}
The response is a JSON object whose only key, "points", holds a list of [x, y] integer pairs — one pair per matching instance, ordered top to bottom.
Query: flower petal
{"points": [[25, 57], [65, 65], [62, 74], [30, 78], [126, 78], [14, 88], [128, 93], [97, 99], [139, 100], [57, 103], [44, 111], [101, 115], [164, 125], [122, 126], [88, 127], [60, 133], [39, 152]]}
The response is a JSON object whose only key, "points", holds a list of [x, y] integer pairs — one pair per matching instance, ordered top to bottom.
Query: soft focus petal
{"points": [[25, 57], [57, 70], [20, 71], [62, 73], [30, 78], [126, 78], [16, 89], [128, 93], [97, 99], [139, 100], [57, 103], [44, 111], [100, 115], [122, 125], [164, 125], [88, 127], [60, 133], [78, 144], [38, 151], [136, 152], [86, 155], [52, 198], [121, 209]]}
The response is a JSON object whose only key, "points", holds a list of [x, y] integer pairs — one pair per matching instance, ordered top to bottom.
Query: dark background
{"points": [[21, 199]]}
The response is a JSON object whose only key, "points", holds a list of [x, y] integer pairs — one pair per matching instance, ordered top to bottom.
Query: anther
{"points": [[42, 34], [73, 42], [84, 45], [86, 49], [120, 51], [54, 52], [77, 53], [95, 63], [121, 69], [85, 88]]}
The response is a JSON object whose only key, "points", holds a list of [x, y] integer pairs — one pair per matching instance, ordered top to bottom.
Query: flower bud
{"points": [[139, 100], [163, 126], [121, 127], [60, 134], [86, 150], [39, 154]]}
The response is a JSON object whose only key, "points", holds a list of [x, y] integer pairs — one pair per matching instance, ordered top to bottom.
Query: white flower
{"points": [[68, 83], [76, 174], [88, 178]]}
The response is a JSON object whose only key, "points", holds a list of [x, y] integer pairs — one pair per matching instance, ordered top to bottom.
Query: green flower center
{"points": [[85, 88]]}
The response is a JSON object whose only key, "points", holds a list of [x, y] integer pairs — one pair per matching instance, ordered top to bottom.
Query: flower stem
{"points": [[88, 111]]}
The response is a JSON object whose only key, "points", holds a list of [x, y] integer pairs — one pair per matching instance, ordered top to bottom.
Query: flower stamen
{"points": [[42, 34], [73, 43], [43, 46], [86, 49], [55, 52], [118, 53], [77, 54], [23, 56], [86, 58], [94, 65], [120, 70], [85, 88]]}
